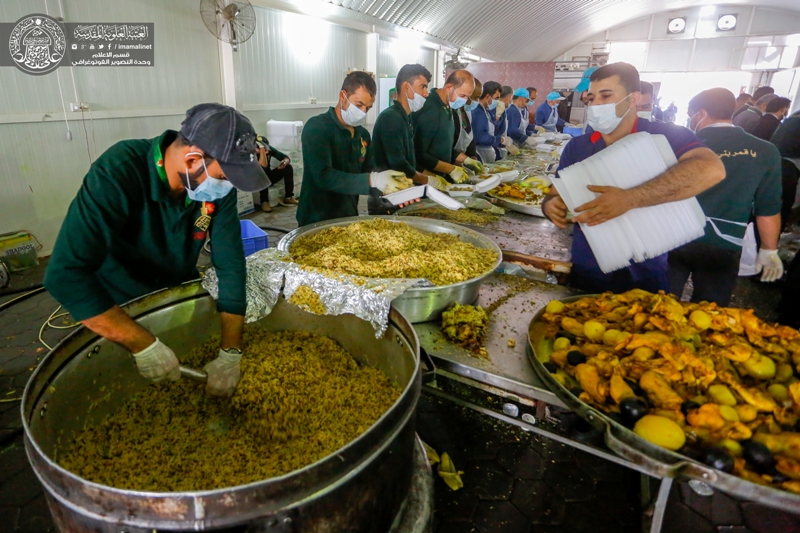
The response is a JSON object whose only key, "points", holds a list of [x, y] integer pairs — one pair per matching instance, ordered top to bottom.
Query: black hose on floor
{"points": [[273, 228]]}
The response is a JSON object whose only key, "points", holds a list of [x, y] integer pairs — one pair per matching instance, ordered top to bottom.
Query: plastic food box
{"points": [[460, 189], [401, 197], [444, 200], [253, 237]]}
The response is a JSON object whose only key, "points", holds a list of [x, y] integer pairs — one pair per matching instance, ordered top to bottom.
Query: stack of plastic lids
{"points": [[642, 233]]}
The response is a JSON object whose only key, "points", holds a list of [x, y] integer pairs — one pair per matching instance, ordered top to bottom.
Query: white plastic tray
{"points": [[490, 183], [457, 193], [401, 197], [443, 199]]}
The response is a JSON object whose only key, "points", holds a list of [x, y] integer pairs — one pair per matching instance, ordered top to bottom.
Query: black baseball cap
{"points": [[229, 137]]}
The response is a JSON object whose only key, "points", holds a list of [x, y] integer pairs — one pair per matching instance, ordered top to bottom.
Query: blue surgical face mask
{"points": [[459, 103], [493, 105], [471, 106], [210, 190]]}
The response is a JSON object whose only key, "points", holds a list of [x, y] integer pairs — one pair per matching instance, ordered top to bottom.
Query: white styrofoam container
{"points": [[284, 135], [509, 175], [490, 183], [455, 193], [401, 197], [444, 200], [244, 203]]}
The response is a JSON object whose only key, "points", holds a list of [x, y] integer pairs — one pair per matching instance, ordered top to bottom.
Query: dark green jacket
{"points": [[433, 133], [393, 140], [277, 154], [336, 167], [752, 183], [125, 235]]}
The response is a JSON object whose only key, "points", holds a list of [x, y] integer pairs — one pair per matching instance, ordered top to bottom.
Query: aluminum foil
{"points": [[265, 271], [367, 298]]}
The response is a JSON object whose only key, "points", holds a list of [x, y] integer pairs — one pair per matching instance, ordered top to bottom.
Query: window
{"points": [[629, 52]]}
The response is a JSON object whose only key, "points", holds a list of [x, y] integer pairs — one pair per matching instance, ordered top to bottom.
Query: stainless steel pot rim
{"points": [[421, 223], [26, 400], [664, 463]]}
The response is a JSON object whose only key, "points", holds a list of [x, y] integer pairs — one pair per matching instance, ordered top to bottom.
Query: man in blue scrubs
{"points": [[614, 94], [547, 115]]}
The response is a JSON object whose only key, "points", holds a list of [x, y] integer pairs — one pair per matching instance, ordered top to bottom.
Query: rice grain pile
{"points": [[471, 217], [378, 248], [301, 397]]}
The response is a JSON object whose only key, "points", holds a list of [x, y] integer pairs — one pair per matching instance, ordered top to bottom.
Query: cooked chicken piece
{"points": [[635, 295], [669, 308], [616, 315], [662, 324], [572, 326], [755, 328], [651, 339], [720, 339], [737, 352], [779, 353], [559, 357], [589, 378], [619, 390], [659, 392], [794, 392], [754, 397], [706, 416], [785, 416], [735, 431], [785, 443], [788, 467], [791, 486]]}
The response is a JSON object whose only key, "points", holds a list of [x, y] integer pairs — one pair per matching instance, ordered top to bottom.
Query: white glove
{"points": [[501, 107], [540, 129], [531, 141], [512, 148], [474, 165], [458, 175], [389, 181], [437, 182], [769, 264], [158, 362], [223, 373]]}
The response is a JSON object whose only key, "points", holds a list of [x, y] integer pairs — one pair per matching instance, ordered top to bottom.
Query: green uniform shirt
{"points": [[434, 132], [394, 141], [277, 154], [336, 167], [752, 183], [126, 235]]}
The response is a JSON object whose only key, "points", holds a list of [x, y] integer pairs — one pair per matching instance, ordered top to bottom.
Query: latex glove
{"points": [[501, 107], [540, 129], [531, 141], [512, 148], [474, 165], [458, 175], [389, 181], [438, 183], [769, 264], [158, 362], [223, 373]]}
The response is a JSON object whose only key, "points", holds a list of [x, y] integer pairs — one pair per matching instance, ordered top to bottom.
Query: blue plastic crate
{"points": [[575, 132], [253, 237]]}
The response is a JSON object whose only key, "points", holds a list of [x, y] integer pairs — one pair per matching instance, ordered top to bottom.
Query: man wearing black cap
{"points": [[138, 224]]}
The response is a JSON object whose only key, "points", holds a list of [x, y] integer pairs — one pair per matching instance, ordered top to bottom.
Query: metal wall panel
{"points": [[768, 21], [715, 54], [392, 56], [669, 56], [273, 67], [40, 170]]}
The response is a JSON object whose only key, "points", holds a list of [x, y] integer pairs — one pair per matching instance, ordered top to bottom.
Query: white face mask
{"points": [[416, 101], [645, 114], [353, 116], [603, 118], [696, 124]]}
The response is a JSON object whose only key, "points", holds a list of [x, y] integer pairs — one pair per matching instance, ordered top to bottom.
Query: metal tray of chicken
{"points": [[658, 461]]}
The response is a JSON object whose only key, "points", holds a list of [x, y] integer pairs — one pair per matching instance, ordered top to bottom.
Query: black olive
{"points": [[567, 335], [575, 358], [550, 367], [634, 385], [576, 391], [688, 406], [631, 410], [692, 450], [758, 456], [717, 458], [778, 477]]}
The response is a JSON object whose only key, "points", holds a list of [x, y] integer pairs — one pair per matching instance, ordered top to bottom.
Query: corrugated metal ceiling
{"points": [[521, 30]]}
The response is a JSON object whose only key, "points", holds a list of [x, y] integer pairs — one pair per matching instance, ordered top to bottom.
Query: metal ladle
{"points": [[194, 375]]}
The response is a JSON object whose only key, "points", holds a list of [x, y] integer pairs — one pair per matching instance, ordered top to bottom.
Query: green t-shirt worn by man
{"points": [[434, 132], [393, 140], [336, 167], [752, 183], [126, 235]]}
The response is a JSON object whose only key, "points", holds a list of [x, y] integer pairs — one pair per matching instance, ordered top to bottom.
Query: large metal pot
{"points": [[419, 304], [359, 488]]}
